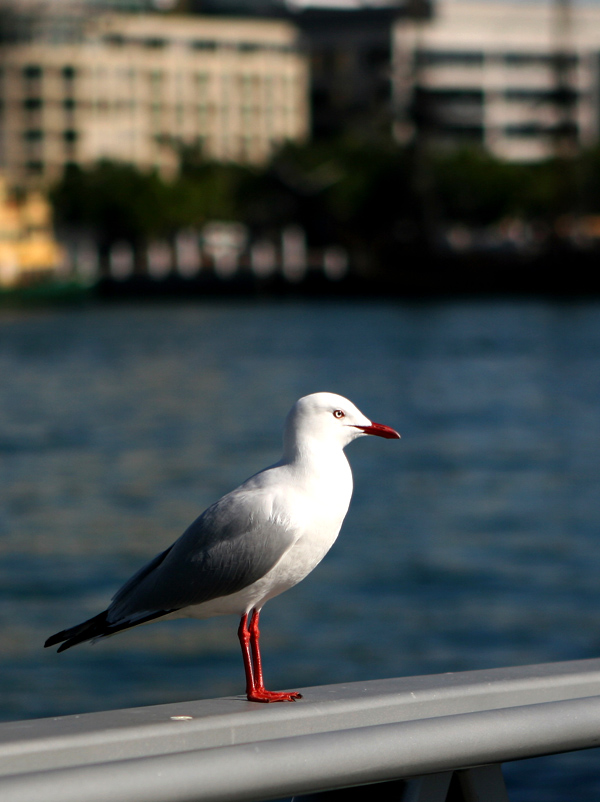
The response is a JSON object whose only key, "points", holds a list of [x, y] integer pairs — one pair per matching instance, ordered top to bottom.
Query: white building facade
{"points": [[520, 79], [132, 88]]}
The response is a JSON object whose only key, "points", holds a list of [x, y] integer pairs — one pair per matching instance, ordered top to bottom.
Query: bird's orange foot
{"points": [[262, 695]]}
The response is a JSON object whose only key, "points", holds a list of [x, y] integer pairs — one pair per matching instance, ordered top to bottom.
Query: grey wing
{"points": [[227, 548]]}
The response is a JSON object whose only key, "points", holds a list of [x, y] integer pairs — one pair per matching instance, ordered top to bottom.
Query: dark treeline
{"points": [[376, 201]]}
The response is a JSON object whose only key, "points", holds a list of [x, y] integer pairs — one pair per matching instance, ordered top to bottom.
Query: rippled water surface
{"points": [[471, 543]]}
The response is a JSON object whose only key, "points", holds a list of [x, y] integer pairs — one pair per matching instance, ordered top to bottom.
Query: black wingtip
{"points": [[97, 627], [92, 628], [54, 639], [67, 645]]}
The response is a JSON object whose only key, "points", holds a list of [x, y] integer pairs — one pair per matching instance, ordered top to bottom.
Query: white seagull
{"points": [[252, 544]]}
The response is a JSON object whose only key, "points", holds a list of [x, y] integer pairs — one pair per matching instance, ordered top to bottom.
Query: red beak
{"points": [[380, 430]]}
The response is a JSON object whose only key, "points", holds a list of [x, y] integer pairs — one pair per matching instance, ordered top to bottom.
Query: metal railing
{"points": [[424, 729]]}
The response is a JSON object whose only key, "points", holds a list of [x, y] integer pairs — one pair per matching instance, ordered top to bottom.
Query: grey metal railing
{"points": [[424, 729]]}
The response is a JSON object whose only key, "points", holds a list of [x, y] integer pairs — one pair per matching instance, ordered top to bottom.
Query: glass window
{"points": [[114, 39], [204, 44], [458, 58], [522, 59], [31, 71], [563, 96], [525, 130], [34, 167]]}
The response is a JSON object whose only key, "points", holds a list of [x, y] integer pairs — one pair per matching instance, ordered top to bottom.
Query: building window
{"points": [[204, 44], [249, 47], [449, 58], [540, 59], [32, 71], [68, 72], [156, 82], [201, 83], [246, 84], [473, 96], [565, 96], [32, 103], [445, 109], [156, 115], [202, 117], [526, 131], [33, 135], [70, 138], [33, 139], [34, 167]]}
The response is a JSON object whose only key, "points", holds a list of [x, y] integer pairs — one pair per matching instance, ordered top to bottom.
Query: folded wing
{"points": [[229, 547]]}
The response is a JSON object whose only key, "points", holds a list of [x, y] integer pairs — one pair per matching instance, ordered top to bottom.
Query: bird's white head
{"points": [[329, 420]]}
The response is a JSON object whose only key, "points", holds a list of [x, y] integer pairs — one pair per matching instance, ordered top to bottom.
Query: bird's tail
{"points": [[94, 627], [99, 627]]}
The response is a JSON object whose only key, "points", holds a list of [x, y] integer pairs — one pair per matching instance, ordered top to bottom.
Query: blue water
{"points": [[470, 543]]}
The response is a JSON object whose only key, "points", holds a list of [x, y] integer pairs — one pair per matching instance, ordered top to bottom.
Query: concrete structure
{"points": [[522, 79], [129, 87]]}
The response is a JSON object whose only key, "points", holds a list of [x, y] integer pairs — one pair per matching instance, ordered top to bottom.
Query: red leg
{"points": [[244, 636], [255, 687]]}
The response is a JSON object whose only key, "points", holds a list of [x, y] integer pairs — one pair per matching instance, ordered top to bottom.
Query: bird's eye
{"points": [[338, 413]]}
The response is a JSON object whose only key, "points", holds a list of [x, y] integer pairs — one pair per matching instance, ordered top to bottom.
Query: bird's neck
{"points": [[315, 459]]}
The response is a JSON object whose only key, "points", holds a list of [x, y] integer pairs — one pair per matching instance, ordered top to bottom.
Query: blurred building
{"points": [[349, 47], [350, 50], [521, 79], [77, 87]]}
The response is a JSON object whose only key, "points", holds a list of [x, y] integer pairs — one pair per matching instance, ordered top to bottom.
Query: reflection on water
{"points": [[471, 543]]}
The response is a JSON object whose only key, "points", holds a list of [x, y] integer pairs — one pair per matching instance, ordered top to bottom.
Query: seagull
{"points": [[252, 544]]}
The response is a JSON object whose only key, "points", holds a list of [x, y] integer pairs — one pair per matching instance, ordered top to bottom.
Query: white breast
{"points": [[315, 510]]}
